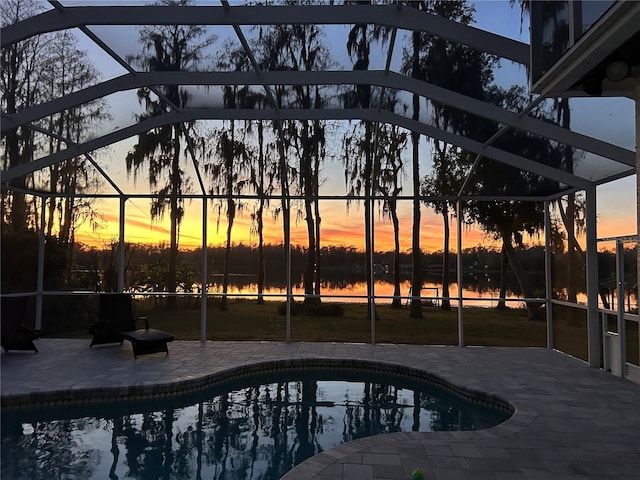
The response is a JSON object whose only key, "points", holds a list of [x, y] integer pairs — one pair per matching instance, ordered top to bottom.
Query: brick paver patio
{"points": [[571, 422]]}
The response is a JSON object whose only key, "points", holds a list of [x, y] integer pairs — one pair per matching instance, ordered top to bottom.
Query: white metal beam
{"points": [[386, 15], [593, 318]]}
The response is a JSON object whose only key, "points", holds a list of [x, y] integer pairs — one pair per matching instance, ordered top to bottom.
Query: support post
{"points": [[638, 185], [121, 246], [288, 275], [459, 275], [40, 279], [203, 281], [548, 286], [372, 297], [620, 306], [593, 321]]}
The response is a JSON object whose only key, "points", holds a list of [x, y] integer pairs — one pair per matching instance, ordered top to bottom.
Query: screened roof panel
{"points": [[489, 17], [128, 43], [510, 74], [115, 112], [613, 119], [562, 156], [112, 161], [597, 168], [495, 179], [91, 182]]}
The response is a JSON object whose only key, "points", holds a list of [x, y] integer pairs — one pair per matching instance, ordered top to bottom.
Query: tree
{"points": [[556, 13], [168, 48], [300, 48], [269, 49], [21, 66], [412, 67], [66, 69], [37, 70], [467, 71], [392, 141], [358, 155], [232, 157], [450, 167], [262, 176], [509, 220]]}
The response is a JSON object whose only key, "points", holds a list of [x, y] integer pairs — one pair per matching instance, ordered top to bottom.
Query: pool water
{"points": [[249, 429]]}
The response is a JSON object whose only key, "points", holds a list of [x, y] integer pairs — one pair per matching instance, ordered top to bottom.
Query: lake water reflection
{"points": [[350, 291]]}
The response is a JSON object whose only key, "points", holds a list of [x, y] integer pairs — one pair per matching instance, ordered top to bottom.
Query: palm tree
{"points": [[172, 48]]}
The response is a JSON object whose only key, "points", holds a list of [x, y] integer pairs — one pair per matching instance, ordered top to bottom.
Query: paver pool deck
{"points": [[571, 421]]}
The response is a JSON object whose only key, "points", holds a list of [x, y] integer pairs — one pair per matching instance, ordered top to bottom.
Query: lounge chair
{"points": [[117, 324], [15, 336]]}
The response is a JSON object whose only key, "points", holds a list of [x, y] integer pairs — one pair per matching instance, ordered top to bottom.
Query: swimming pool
{"points": [[252, 426]]}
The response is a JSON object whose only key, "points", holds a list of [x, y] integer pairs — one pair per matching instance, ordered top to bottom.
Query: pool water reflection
{"points": [[252, 429]]}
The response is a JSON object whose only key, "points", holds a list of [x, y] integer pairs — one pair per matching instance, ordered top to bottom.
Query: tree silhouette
{"points": [[556, 13], [166, 48], [300, 48], [22, 63], [412, 66], [67, 69], [467, 71], [392, 141], [358, 154], [450, 167], [262, 177], [509, 220]]}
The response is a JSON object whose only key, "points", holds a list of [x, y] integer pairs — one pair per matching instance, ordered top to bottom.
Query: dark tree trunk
{"points": [[308, 182], [231, 215], [260, 222], [368, 239], [504, 261], [318, 266], [397, 294], [572, 294], [172, 301], [224, 302], [446, 303], [415, 309], [533, 311]]}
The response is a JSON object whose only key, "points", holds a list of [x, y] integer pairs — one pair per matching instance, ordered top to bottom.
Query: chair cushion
{"points": [[147, 335]]}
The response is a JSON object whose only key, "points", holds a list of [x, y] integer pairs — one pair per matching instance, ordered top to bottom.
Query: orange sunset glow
{"points": [[338, 227]]}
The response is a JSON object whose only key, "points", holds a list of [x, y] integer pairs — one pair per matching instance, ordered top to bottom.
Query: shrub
{"points": [[314, 310]]}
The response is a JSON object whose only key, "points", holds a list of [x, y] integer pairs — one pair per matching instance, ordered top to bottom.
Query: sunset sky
{"points": [[616, 216]]}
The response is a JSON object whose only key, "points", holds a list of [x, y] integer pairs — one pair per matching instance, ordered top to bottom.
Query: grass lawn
{"points": [[246, 320]]}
